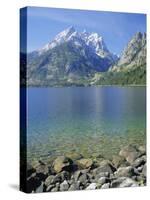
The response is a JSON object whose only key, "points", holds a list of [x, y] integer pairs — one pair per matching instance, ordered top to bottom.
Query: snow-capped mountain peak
{"points": [[65, 34], [93, 41]]}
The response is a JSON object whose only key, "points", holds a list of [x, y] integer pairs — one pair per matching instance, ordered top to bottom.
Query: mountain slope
{"points": [[135, 51], [134, 54], [130, 68]]}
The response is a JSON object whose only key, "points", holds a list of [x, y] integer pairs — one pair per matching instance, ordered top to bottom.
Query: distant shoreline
{"points": [[83, 86]]}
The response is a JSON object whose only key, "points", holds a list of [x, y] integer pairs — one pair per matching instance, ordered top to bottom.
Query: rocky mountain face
{"points": [[135, 51], [134, 54], [71, 56], [82, 58], [130, 68]]}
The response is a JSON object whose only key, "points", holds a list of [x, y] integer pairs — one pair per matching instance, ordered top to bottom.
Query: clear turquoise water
{"points": [[88, 120]]}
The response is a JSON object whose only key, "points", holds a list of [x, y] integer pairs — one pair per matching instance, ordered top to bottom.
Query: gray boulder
{"points": [[139, 161], [105, 167], [140, 169], [144, 170], [125, 172], [77, 174], [102, 174], [65, 175], [84, 178], [57, 179], [49, 180], [102, 180], [124, 182], [64, 186], [74, 186], [92, 186], [105, 186], [49, 188], [40, 189], [55, 189]]}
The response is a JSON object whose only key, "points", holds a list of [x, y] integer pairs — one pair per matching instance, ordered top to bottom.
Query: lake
{"points": [[87, 120]]}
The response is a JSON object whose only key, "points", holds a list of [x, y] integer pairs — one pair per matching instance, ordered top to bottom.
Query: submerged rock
{"points": [[142, 149], [130, 153], [74, 155], [118, 161], [36, 163], [62, 163], [84, 163], [41, 168]]}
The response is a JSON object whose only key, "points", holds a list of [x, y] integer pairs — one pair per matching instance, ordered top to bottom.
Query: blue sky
{"points": [[116, 28]]}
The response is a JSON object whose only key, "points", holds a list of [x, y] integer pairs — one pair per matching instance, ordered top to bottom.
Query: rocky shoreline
{"points": [[74, 172]]}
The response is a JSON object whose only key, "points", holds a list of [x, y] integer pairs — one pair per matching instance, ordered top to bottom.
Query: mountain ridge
{"points": [[76, 58]]}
